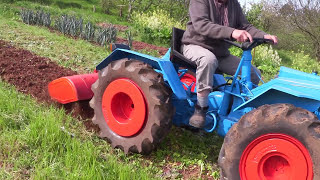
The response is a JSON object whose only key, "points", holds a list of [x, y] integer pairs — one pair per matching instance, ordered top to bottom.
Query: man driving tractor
{"points": [[210, 22]]}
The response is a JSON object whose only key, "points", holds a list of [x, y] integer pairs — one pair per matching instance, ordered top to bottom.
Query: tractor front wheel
{"points": [[132, 106], [272, 142]]}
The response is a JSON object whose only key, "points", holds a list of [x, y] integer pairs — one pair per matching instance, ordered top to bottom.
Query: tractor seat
{"points": [[176, 57]]}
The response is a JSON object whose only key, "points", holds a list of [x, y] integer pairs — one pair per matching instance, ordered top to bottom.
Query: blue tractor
{"points": [[271, 131]]}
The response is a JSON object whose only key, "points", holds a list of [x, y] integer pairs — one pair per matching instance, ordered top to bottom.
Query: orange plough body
{"points": [[72, 88]]}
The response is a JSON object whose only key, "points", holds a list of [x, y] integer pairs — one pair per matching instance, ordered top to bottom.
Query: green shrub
{"points": [[9, 1], [42, 1], [64, 5], [106, 5], [254, 15], [39, 18], [69, 25], [155, 27], [89, 32], [106, 36], [129, 37], [235, 51], [267, 60], [300, 61]]}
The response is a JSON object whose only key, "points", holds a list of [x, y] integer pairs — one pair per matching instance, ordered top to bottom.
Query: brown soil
{"points": [[117, 26], [137, 45], [31, 74]]}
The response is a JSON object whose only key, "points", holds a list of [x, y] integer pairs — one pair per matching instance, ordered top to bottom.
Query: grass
{"points": [[13, 10], [86, 10], [78, 54], [40, 142]]}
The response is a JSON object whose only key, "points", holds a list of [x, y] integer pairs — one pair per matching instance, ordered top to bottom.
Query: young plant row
{"points": [[72, 26]]}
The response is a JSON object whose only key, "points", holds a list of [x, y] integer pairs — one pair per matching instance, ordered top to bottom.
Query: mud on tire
{"points": [[159, 110], [278, 118]]}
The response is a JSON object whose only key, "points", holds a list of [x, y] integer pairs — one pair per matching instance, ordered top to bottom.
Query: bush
{"points": [[41, 1], [64, 5], [106, 6], [254, 15], [39, 18], [69, 25], [155, 27], [89, 32], [106, 36], [129, 38], [265, 58], [300, 61]]}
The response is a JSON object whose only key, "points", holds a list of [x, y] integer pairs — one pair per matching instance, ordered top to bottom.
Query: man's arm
{"points": [[199, 15]]}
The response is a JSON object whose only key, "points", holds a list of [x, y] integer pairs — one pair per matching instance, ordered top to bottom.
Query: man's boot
{"points": [[198, 118]]}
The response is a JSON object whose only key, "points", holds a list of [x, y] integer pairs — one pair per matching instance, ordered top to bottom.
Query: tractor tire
{"points": [[132, 106], [277, 141]]}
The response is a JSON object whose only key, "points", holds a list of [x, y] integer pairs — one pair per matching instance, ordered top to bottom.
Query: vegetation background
{"points": [[25, 134]]}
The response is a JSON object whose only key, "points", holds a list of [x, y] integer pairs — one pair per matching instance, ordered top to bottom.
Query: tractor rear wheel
{"points": [[132, 106], [277, 141]]}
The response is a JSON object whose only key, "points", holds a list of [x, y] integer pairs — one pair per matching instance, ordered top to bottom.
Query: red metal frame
{"points": [[188, 79], [124, 107], [274, 157]]}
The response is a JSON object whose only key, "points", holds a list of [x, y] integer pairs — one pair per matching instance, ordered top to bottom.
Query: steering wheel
{"points": [[249, 45]]}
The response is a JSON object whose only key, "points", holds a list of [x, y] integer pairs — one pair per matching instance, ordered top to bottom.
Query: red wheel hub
{"points": [[188, 79], [124, 107], [275, 157]]}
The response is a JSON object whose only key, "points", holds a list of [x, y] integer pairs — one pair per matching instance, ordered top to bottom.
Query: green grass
{"points": [[13, 11], [86, 11], [77, 54], [40, 142]]}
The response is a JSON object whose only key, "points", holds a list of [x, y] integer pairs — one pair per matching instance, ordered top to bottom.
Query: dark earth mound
{"points": [[31, 74]]}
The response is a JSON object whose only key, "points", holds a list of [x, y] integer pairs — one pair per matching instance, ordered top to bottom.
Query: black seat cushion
{"points": [[176, 57]]}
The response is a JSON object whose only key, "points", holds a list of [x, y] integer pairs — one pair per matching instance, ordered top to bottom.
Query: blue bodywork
{"points": [[232, 100]]}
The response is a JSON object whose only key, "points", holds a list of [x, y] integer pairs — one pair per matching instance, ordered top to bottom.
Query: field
{"points": [[41, 139]]}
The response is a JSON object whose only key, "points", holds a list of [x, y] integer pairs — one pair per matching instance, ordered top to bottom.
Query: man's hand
{"points": [[241, 35], [271, 37]]}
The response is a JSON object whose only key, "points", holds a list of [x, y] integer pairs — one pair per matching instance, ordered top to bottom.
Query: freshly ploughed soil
{"points": [[31, 74]]}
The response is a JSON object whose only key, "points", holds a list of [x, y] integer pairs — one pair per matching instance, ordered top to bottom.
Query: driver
{"points": [[210, 22]]}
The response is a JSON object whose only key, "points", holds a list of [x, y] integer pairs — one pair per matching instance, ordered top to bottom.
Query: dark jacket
{"points": [[203, 28]]}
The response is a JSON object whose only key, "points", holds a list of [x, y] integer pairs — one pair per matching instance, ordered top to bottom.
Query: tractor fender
{"points": [[163, 65], [292, 86]]}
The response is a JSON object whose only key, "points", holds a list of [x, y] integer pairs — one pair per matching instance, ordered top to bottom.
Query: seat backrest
{"points": [[176, 38], [176, 56]]}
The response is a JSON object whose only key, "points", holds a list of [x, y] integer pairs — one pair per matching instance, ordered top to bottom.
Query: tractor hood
{"points": [[298, 75], [299, 83], [302, 87]]}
